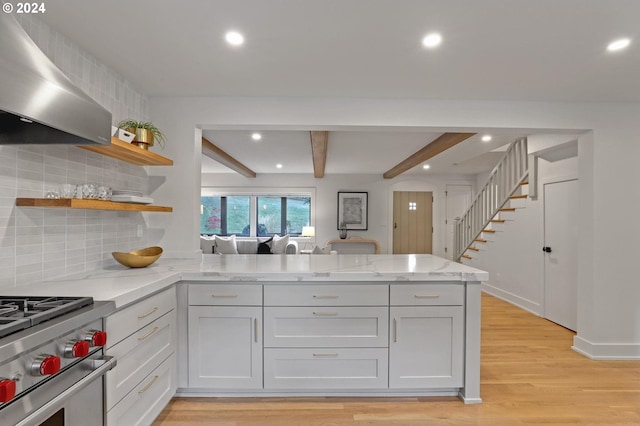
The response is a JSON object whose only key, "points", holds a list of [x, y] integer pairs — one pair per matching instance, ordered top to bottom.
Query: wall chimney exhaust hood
{"points": [[38, 103]]}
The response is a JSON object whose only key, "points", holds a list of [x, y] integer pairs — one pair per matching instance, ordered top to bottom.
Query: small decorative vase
{"points": [[343, 231]]}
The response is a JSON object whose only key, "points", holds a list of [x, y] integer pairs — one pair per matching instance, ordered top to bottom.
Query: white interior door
{"points": [[458, 201], [561, 255]]}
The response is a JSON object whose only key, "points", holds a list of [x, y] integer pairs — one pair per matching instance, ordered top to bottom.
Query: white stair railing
{"points": [[503, 181]]}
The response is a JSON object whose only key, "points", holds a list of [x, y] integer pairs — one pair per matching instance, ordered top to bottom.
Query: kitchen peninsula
{"points": [[339, 325]]}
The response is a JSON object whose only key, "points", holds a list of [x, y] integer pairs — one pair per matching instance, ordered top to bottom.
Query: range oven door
{"points": [[75, 397]]}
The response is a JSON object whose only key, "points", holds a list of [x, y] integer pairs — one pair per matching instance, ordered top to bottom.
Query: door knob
{"points": [[546, 249]]}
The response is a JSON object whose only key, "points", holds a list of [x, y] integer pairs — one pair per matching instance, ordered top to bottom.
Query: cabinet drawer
{"points": [[225, 294], [427, 294], [326, 295], [127, 321], [306, 327], [138, 355], [314, 368], [143, 404]]}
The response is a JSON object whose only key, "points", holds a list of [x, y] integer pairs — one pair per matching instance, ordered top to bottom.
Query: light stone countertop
{"points": [[125, 286]]}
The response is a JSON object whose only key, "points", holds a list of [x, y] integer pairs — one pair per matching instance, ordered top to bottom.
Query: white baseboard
{"points": [[518, 301], [606, 351]]}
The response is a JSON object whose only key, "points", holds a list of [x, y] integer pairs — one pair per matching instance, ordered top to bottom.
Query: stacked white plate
{"points": [[127, 196]]}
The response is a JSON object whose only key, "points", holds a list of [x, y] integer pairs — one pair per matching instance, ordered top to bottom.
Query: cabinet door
{"points": [[225, 347], [426, 347]]}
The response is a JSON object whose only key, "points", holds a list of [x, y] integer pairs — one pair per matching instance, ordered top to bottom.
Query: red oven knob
{"points": [[96, 337], [76, 349], [45, 365], [7, 389]]}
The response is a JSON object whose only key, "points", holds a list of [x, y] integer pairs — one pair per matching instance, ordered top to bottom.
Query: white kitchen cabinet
{"points": [[326, 326], [326, 337], [142, 338], [225, 341], [426, 347], [325, 368], [145, 402]]}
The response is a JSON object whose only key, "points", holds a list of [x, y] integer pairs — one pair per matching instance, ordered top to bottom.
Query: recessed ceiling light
{"points": [[234, 38], [432, 40], [618, 44], [256, 136], [486, 138], [279, 165], [426, 167]]}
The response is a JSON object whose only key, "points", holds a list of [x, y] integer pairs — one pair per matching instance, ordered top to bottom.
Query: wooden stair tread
{"points": [[524, 182], [519, 196], [507, 209], [497, 220], [489, 230], [480, 240], [473, 248], [466, 256]]}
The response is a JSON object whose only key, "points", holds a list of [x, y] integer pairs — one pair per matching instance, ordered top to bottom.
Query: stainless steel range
{"points": [[52, 361]]}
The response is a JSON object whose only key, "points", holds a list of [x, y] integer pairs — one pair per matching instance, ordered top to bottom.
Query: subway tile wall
{"points": [[38, 243]]}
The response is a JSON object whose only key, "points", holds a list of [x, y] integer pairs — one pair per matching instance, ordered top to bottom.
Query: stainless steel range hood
{"points": [[38, 103]]}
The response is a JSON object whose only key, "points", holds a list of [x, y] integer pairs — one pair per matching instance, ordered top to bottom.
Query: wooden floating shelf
{"points": [[129, 153], [77, 203]]}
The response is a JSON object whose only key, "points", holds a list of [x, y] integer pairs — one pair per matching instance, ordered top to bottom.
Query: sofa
{"points": [[245, 245]]}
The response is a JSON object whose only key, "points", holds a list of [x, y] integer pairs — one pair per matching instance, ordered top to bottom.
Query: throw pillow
{"points": [[279, 244], [226, 245], [264, 247], [317, 250]]}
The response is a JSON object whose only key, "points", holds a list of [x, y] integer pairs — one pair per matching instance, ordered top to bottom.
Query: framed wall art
{"points": [[353, 210]]}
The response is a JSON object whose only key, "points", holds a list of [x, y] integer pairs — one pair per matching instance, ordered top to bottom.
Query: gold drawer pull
{"points": [[228, 295], [325, 296], [426, 296], [148, 313], [326, 314], [255, 330], [149, 333], [325, 355], [146, 388]]}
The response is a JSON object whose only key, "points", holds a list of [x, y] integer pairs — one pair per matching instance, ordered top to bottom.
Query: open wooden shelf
{"points": [[129, 153], [76, 203]]}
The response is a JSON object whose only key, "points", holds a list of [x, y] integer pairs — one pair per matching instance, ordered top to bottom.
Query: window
{"points": [[225, 215], [251, 215], [282, 215]]}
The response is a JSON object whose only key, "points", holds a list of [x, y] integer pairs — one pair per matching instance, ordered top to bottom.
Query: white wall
{"points": [[380, 200], [36, 243], [513, 254], [608, 316]]}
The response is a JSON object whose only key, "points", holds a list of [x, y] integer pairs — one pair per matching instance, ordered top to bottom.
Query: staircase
{"points": [[504, 192]]}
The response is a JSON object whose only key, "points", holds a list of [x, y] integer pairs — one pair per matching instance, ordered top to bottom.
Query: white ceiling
{"points": [[528, 50]]}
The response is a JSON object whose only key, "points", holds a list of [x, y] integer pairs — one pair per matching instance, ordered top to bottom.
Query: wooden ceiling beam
{"points": [[440, 144], [319, 146], [217, 154]]}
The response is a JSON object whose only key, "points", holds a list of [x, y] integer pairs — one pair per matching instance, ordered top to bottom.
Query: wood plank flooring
{"points": [[530, 376]]}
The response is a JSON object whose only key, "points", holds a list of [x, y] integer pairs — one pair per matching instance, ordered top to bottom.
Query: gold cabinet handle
{"points": [[227, 295], [325, 296], [426, 296], [155, 308], [326, 314], [255, 330], [395, 331], [148, 334], [333, 355], [146, 388]]}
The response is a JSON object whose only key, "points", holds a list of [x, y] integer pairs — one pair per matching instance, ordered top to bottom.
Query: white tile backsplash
{"points": [[38, 243]]}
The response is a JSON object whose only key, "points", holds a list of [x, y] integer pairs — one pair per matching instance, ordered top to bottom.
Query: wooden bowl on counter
{"points": [[138, 258]]}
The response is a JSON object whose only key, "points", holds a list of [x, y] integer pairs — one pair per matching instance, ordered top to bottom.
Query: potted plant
{"points": [[146, 133]]}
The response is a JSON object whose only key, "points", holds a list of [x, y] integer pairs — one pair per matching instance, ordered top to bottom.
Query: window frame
{"points": [[254, 193]]}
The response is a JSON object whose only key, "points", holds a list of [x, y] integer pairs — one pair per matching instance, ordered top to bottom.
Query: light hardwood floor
{"points": [[530, 376]]}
